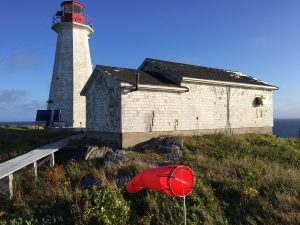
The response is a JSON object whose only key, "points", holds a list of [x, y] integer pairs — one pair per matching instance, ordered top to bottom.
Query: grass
{"points": [[17, 140], [255, 177], [247, 179]]}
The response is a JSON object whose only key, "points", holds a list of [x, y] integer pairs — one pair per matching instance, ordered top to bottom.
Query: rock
{"points": [[175, 141], [165, 143], [169, 147], [94, 152], [174, 153], [108, 155], [115, 157]]}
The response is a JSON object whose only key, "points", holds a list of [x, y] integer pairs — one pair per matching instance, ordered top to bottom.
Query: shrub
{"points": [[100, 206]]}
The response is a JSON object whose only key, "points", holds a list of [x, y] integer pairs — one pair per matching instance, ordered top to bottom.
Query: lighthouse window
{"points": [[68, 8], [77, 9]]}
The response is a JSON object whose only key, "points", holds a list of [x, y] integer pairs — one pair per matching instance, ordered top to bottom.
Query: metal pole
{"points": [[137, 80], [184, 210]]}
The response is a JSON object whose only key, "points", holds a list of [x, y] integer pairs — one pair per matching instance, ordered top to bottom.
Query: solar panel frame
{"points": [[43, 115], [56, 115]]}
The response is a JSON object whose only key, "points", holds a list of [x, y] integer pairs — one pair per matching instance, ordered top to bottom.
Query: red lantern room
{"points": [[71, 11]]}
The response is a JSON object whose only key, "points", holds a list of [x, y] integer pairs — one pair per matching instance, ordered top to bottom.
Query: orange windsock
{"points": [[176, 181]]}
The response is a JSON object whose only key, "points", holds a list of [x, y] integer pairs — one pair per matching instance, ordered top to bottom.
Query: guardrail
{"points": [[58, 19], [34, 159]]}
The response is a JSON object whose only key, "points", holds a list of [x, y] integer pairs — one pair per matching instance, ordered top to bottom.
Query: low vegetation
{"points": [[17, 140], [249, 179]]}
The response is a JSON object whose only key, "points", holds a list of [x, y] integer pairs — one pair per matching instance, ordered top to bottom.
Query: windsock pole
{"points": [[184, 210]]}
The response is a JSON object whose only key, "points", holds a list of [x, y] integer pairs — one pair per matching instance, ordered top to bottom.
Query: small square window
{"points": [[68, 8], [77, 9], [258, 101]]}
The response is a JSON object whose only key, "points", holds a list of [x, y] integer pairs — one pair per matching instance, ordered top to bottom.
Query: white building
{"points": [[127, 106]]}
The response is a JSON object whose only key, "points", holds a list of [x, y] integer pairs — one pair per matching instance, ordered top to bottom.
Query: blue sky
{"points": [[259, 38]]}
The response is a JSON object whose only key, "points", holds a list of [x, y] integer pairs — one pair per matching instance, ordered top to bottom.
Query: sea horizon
{"points": [[288, 127]]}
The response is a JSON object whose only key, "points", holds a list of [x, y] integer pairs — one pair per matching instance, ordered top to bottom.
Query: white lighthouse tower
{"points": [[72, 66]]}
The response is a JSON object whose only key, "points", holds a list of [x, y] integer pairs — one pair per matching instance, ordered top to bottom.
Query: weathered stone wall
{"points": [[72, 68], [82, 69], [61, 93], [103, 105], [203, 107]]}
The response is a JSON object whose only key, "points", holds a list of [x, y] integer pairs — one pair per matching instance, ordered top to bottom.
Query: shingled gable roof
{"points": [[181, 70], [206, 73], [130, 76]]}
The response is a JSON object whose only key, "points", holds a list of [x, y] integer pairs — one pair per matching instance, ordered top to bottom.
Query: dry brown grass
{"points": [[247, 179]]}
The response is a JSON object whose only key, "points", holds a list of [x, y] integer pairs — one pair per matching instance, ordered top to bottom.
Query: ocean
{"points": [[20, 123], [282, 127], [286, 127]]}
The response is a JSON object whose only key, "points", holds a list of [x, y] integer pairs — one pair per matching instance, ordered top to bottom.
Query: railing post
{"points": [[52, 160], [35, 167], [10, 186]]}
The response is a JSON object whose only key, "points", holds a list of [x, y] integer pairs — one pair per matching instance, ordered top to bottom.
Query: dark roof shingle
{"points": [[200, 72], [130, 76]]}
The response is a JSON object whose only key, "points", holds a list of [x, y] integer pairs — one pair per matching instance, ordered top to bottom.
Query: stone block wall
{"points": [[72, 68], [82, 69], [61, 93], [103, 105], [204, 107]]}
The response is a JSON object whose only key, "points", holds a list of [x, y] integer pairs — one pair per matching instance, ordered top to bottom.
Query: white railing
{"points": [[34, 158]]}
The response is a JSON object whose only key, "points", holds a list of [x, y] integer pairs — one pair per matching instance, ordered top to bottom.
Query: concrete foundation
{"points": [[107, 138], [127, 140]]}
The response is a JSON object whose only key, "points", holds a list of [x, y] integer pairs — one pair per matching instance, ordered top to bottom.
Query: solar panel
{"points": [[43, 115], [48, 115], [49, 119]]}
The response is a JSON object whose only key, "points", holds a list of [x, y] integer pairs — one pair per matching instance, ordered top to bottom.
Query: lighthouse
{"points": [[72, 65]]}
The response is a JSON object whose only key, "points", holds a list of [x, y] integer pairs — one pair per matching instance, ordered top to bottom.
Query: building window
{"points": [[258, 101]]}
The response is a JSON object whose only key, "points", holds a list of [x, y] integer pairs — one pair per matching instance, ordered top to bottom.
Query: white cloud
{"points": [[23, 61], [9, 96], [16, 106]]}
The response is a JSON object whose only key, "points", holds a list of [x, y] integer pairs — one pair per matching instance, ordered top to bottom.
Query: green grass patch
{"points": [[17, 140], [247, 179]]}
